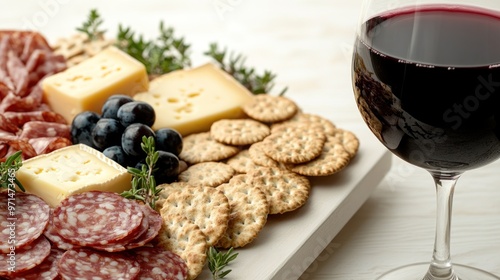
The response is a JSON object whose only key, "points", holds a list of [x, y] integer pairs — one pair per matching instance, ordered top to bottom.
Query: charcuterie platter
{"points": [[128, 148]]}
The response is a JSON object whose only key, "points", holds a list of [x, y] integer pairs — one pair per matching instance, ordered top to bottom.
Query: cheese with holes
{"points": [[87, 85], [189, 101], [69, 170]]}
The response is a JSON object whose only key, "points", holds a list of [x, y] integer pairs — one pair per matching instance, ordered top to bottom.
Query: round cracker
{"points": [[269, 108], [311, 120], [238, 131], [348, 140], [294, 145], [200, 147], [257, 154], [333, 158], [242, 162], [207, 174], [285, 190], [207, 207], [249, 210], [183, 237]]}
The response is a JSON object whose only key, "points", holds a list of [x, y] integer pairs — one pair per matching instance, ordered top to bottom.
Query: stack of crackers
{"points": [[243, 170]]}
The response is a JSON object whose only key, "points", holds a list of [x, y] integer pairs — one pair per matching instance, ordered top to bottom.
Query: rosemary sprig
{"points": [[91, 27], [164, 54], [235, 66], [8, 169], [143, 181], [217, 261]]}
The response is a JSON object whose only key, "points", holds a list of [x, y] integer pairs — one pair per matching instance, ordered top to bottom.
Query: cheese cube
{"points": [[87, 85], [189, 101], [70, 170]]}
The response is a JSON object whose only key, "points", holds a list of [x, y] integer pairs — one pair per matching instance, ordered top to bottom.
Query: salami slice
{"points": [[20, 118], [35, 129], [19, 145], [45, 145], [31, 215], [97, 218], [155, 222], [53, 236], [122, 244], [27, 258], [158, 263], [90, 264], [47, 270]]}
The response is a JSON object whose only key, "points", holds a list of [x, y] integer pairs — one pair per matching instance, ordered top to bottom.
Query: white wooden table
{"points": [[308, 44]]}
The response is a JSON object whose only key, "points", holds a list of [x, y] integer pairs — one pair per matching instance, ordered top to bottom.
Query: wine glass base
{"points": [[417, 272]]}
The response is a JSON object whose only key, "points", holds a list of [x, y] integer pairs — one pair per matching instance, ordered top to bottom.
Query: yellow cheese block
{"points": [[87, 85], [189, 101], [73, 169]]}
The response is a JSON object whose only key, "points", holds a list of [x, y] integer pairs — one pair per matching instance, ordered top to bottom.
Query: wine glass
{"points": [[426, 78]]}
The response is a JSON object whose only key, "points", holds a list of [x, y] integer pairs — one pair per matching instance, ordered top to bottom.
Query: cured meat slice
{"points": [[25, 103], [20, 118], [7, 126], [35, 129], [19, 145], [45, 145], [31, 215], [97, 218], [155, 222], [151, 226], [53, 236], [121, 245], [26, 258], [158, 263], [90, 264], [47, 270]]}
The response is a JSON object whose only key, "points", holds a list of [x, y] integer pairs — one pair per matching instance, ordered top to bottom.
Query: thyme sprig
{"points": [[92, 26], [164, 54], [234, 64], [8, 169], [143, 181], [218, 260]]}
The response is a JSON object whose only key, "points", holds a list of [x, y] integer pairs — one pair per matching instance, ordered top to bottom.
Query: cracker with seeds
{"points": [[269, 108], [311, 120], [238, 132], [293, 145], [200, 147], [256, 152], [333, 158], [242, 162], [207, 174], [285, 190], [207, 207], [249, 210], [181, 236]]}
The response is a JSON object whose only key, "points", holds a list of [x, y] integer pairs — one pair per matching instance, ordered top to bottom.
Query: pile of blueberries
{"points": [[118, 134]]}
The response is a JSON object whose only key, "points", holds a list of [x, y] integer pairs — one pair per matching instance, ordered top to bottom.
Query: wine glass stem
{"points": [[441, 267]]}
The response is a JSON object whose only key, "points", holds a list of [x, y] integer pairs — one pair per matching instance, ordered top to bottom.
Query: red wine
{"points": [[427, 83]]}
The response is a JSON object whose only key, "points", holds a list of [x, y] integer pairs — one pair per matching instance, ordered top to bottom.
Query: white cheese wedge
{"points": [[87, 85], [189, 101], [73, 169]]}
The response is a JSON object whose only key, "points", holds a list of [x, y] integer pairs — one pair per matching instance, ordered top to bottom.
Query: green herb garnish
{"points": [[91, 27], [164, 54], [235, 66], [8, 170], [143, 181], [217, 261]]}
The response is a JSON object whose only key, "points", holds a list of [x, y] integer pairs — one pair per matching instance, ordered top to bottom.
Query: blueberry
{"points": [[114, 102], [136, 112], [82, 126], [107, 133], [132, 138], [168, 140], [117, 154], [167, 167]]}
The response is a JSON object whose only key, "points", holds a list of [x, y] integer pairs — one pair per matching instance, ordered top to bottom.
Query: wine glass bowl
{"points": [[426, 79]]}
